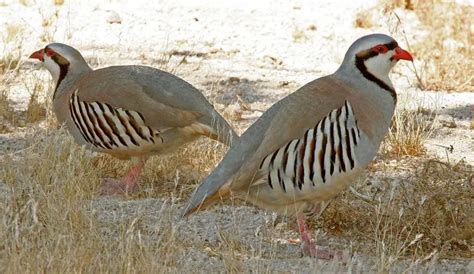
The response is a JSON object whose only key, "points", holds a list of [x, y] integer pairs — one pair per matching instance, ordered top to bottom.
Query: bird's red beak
{"points": [[401, 54], [38, 55]]}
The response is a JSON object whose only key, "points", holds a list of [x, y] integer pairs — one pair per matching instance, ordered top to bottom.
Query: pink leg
{"points": [[128, 184], [309, 247]]}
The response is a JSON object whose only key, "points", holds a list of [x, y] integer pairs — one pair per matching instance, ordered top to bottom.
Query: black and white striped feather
{"points": [[106, 127], [317, 158]]}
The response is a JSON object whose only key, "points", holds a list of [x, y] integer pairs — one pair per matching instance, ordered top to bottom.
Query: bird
{"points": [[129, 112], [311, 145]]}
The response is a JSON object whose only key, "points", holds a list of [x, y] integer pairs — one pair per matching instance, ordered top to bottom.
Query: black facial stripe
{"points": [[360, 64], [63, 69]]}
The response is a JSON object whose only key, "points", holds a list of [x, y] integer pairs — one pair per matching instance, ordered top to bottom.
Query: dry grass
{"points": [[50, 25], [446, 52], [10, 62], [169, 62], [36, 109], [6, 110], [412, 124], [408, 133], [178, 172], [44, 214], [426, 214], [48, 221], [230, 252]]}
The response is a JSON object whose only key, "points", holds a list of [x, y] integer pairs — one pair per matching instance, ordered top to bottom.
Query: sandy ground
{"points": [[253, 51]]}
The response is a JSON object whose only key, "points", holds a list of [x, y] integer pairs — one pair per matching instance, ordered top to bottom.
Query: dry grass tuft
{"points": [[447, 49], [10, 61], [6, 110], [36, 110], [10, 118], [412, 124], [408, 132], [428, 214]]}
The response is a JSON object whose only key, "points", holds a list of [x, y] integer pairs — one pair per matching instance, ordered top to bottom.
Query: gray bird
{"points": [[130, 112], [311, 145]]}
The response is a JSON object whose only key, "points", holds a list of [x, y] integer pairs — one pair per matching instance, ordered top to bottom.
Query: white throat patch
{"points": [[380, 66], [52, 67]]}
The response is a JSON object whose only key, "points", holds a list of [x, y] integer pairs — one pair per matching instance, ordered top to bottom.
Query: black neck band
{"points": [[360, 64], [63, 70]]}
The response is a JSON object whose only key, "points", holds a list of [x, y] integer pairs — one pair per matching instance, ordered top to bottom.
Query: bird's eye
{"points": [[380, 49], [49, 52]]}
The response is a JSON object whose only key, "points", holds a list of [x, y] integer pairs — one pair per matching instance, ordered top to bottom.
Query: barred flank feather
{"points": [[106, 127], [323, 152]]}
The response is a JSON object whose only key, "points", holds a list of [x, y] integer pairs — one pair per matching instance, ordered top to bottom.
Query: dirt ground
{"points": [[244, 56]]}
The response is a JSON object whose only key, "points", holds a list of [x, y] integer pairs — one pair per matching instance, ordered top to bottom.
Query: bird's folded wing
{"points": [[119, 89]]}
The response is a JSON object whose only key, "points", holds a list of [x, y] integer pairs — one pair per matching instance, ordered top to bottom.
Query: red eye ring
{"points": [[380, 49], [49, 52]]}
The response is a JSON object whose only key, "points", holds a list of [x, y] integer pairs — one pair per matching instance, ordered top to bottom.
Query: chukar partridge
{"points": [[128, 111], [311, 145]]}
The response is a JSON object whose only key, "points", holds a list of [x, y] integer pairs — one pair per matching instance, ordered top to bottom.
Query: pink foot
{"points": [[127, 185], [312, 250]]}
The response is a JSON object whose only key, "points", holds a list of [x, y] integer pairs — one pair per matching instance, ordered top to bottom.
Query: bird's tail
{"points": [[224, 133], [218, 184], [204, 196]]}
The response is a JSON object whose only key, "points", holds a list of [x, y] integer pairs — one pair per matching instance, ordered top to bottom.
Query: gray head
{"points": [[373, 56], [61, 60]]}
